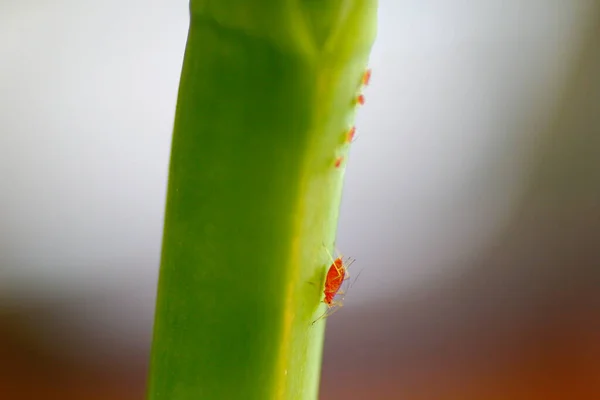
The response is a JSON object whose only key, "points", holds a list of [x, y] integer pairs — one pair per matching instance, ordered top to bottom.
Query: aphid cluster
{"points": [[358, 101], [338, 270]]}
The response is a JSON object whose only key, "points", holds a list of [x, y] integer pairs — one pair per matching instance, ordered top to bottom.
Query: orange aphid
{"points": [[366, 77], [360, 99], [350, 134], [338, 161], [336, 275], [334, 279]]}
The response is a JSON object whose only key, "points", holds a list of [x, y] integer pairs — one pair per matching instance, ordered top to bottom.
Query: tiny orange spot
{"points": [[366, 77], [360, 99], [350, 134], [338, 161]]}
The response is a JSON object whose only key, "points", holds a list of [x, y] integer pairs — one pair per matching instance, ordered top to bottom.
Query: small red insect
{"points": [[366, 77], [360, 99], [350, 135], [338, 161], [336, 275], [333, 281]]}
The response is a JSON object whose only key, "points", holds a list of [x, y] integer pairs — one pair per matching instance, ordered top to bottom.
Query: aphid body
{"points": [[366, 77], [350, 134], [338, 161], [336, 275], [333, 281]]}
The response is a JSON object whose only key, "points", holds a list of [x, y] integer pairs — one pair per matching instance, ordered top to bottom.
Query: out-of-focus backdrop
{"points": [[471, 203]]}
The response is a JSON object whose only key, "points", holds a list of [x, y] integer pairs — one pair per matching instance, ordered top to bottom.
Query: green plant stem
{"points": [[267, 93]]}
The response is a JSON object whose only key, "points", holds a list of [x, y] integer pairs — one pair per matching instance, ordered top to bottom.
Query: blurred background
{"points": [[471, 203]]}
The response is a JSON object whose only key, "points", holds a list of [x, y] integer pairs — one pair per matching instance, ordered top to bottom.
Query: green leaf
{"points": [[268, 91]]}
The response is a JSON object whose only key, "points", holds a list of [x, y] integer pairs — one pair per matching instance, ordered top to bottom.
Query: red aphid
{"points": [[366, 77], [360, 99], [350, 134], [338, 161], [336, 275], [334, 279]]}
